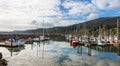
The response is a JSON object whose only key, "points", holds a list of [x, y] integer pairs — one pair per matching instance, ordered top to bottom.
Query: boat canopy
{"points": [[16, 38]]}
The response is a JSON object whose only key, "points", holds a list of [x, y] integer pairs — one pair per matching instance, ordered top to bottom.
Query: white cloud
{"points": [[106, 4], [84, 7], [79, 8], [93, 8], [18, 14], [92, 16]]}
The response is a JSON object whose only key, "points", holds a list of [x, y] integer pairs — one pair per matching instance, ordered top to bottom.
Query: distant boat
{"points": [[69, 37], [41, 38], [92, 38], [37, 39], [84, 39], [15, 41], [29, 41], [99, 42], [73, 43]]}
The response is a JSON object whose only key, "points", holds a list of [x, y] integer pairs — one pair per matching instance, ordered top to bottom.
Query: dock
{"points": [[95, 44], [9, 45]]}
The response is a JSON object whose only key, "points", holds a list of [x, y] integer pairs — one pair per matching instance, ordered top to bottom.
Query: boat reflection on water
{"points": [[37, 45], [40, 47], [108, 49], [15, 50], [80, 50], [118, 51], [58, 53]]}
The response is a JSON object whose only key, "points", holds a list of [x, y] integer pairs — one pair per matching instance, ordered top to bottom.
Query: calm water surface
{"points": [[56, 53]]}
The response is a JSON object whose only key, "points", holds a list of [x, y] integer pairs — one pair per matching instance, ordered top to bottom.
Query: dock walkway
{"points": [[9, 45]]}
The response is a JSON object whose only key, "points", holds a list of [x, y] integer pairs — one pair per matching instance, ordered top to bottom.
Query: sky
{"points": [[32, 14]]}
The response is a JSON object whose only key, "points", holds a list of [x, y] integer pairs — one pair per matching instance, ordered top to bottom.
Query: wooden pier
{"points": [[9, 45]]}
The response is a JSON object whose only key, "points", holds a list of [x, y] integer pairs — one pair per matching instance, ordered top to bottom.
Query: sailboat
{"points": [[43, 37], [116, 37], [36, 39]]}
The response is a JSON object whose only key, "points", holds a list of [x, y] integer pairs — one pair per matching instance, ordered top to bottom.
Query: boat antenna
{"points": [[43, 27]]}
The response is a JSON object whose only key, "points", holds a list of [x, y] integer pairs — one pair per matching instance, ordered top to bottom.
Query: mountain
{"points": [[89, 26], [86, 27]]}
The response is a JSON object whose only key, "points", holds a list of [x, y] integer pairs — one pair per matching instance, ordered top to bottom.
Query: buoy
{"points": [[74, 43]]}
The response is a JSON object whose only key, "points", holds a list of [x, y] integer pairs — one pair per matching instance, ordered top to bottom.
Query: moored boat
{"points": [[14, 41]]}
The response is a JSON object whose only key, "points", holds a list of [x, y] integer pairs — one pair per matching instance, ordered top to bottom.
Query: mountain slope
{"points": [[92, 25], [88, 27]]}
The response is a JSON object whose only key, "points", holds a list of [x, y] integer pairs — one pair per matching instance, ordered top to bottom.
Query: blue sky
{"points": [[101, 8], [20, 14]]}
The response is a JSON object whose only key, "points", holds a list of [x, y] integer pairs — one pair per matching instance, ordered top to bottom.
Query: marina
{"points": [[59, 32]]}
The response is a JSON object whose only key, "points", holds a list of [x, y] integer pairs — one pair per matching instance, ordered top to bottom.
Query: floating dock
{"points": [[95, 44], [9, 45]]}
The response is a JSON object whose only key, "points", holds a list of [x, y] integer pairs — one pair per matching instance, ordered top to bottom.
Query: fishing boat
{"points": [[85, 39], [29, 41], [99, 41], [13, 42], [73, 43]]}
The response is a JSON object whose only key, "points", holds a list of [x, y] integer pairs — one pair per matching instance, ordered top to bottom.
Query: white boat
{"points": [[43, 37], [69, 37], [92, 38], [37, 39], [85, 39], [99, 40], [15, 42]]}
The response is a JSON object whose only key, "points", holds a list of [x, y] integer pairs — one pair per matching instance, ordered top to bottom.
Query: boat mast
{"points": [[43, 27], [84, 28], [76, 29], [37, 30], [117, 30], [99, 31], [104, 31]]}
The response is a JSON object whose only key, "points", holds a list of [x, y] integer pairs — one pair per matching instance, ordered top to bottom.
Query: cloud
{"points": [[106, 4], [32, 8], [79, 8], [88, 10], [19, 14], [92, 16], [59, 53]]}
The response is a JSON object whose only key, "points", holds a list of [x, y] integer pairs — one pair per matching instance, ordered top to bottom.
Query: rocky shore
{"points": [[3, 62]]}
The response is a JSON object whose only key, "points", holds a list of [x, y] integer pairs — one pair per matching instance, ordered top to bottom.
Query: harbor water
{"points": [[60, 53]]}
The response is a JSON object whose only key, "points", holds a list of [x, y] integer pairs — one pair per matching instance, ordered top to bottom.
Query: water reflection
{"points": [[79, 49], [107, 49], [15, 50], [118, 50], [89, 51], [55, 53]]}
